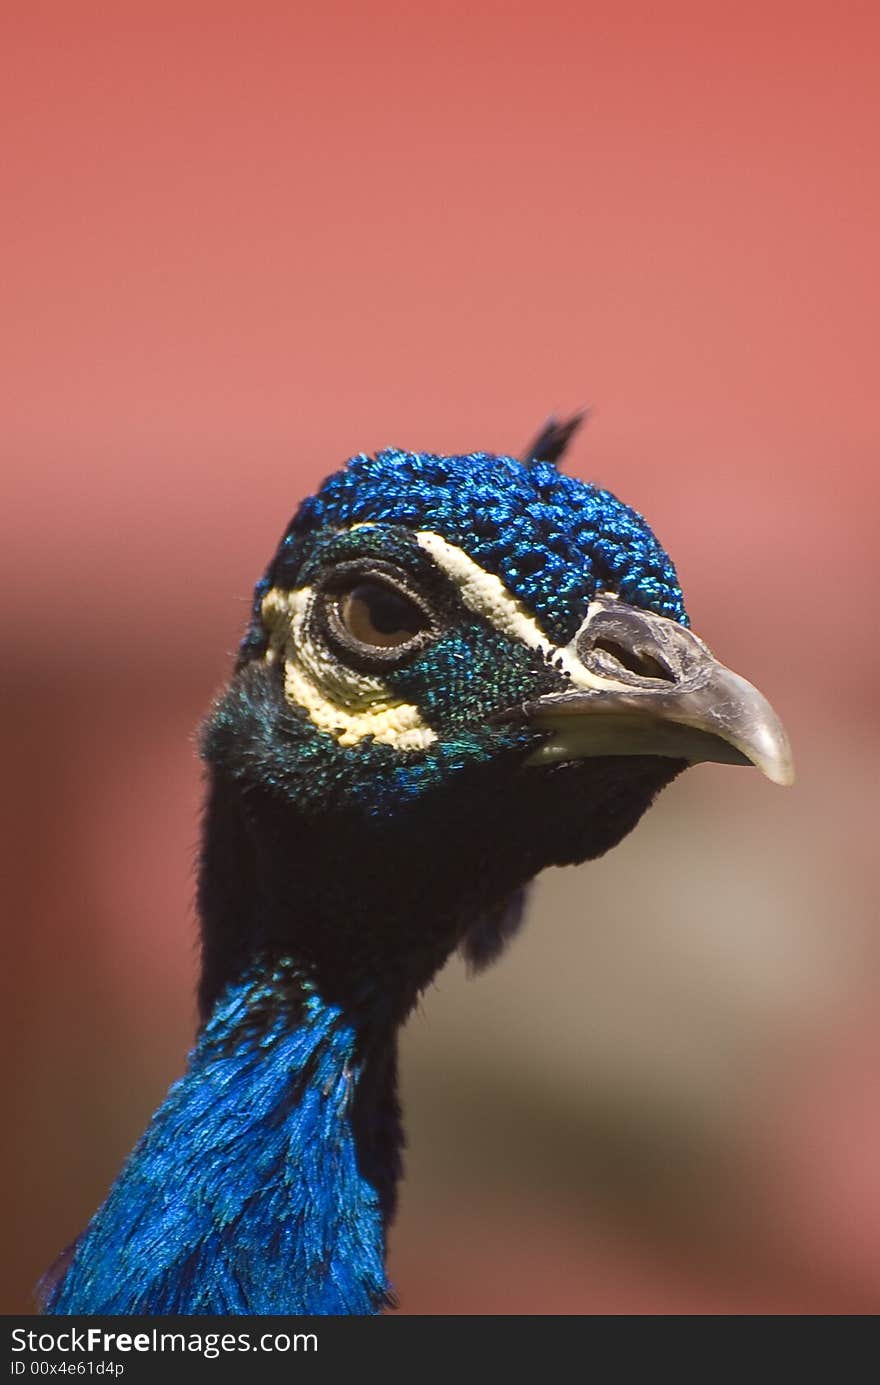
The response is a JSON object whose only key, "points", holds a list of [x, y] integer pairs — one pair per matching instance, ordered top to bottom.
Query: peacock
{"points": [[458, 670]]}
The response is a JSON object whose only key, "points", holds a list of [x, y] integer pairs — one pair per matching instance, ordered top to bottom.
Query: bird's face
{"points": [[479, 663]]}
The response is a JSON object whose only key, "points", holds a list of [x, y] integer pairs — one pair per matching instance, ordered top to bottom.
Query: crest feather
{"points": [[553, 439]]}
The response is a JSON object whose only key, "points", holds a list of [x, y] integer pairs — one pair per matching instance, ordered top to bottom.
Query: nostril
{"points": [[635, 660]]}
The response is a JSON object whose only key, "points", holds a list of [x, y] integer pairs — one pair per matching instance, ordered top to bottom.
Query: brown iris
{"points": [[376, 615]]}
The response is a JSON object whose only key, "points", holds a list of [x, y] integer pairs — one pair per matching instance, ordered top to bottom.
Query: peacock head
{"points": [[460, 670]]}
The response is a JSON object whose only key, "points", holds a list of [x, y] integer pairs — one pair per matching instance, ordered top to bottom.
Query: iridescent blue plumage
{"points": [[552, 539], [371, 808], [244, 1194]]}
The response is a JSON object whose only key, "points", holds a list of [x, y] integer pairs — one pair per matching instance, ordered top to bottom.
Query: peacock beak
{"points": [[643, 685]]}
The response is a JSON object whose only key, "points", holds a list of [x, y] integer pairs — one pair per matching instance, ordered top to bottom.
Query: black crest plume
{"points": [[553, 439]]}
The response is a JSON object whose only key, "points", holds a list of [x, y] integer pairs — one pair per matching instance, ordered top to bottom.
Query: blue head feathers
{"points": [[554, 541], [459, 670]]}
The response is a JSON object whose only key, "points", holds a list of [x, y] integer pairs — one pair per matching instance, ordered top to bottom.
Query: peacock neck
{"points": [[360, 905], [265, 1180]]}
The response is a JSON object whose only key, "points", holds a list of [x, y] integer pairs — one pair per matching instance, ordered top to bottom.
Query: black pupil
{"points": [[376, 614]]}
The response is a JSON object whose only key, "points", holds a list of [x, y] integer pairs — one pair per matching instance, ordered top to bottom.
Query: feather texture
{"points": [[372, 805], [244, 1195]]}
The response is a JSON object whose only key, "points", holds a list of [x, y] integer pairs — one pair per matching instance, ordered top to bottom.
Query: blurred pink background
{"points": [[245, 241]]}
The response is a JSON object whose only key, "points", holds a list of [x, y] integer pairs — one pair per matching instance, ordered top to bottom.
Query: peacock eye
{"points": [[372, 615], [377, 616]]}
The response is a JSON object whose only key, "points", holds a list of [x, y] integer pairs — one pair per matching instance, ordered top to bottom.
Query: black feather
{"points": [[553, 439], [487, 938]]}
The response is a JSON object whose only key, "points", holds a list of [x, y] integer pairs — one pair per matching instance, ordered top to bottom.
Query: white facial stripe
{"points": [[483, 592], [486, 595], [347, 705], [351, 706]]}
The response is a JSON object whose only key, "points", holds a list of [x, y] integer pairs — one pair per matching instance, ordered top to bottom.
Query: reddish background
{"points": [[243, 242]]}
